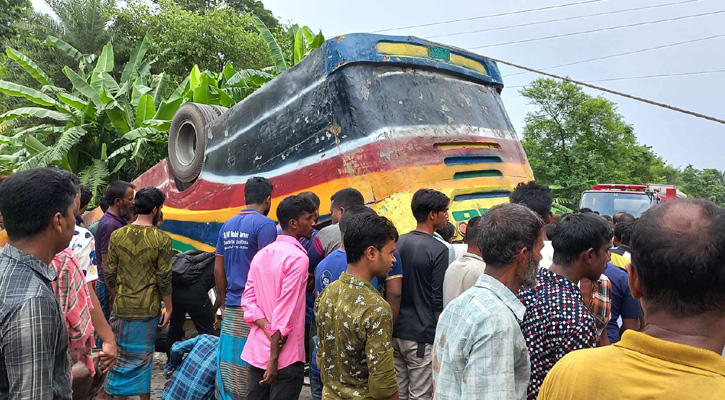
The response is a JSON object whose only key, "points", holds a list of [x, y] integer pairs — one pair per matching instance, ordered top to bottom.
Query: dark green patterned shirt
{"points": [[138, 270], [354, 331]]}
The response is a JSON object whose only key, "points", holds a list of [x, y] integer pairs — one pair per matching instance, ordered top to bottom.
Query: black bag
{"points": [[188, 267]]}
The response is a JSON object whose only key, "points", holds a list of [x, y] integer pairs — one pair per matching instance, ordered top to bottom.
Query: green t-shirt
{"points": [[138, 270], [355, 351]]}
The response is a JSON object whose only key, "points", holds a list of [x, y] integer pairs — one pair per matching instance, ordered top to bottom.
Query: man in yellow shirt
{"points": [[678, 272]]}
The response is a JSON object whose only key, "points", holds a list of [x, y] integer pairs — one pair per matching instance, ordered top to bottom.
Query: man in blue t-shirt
{"points": [[240, 239], [330, 269], [623, 304]]}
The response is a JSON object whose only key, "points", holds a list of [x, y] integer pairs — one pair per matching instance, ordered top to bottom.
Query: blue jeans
{"points": [[315, 384]]}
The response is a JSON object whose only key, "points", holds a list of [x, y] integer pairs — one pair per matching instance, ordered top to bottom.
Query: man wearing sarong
{"points": [[239, 240], [138, 276]]}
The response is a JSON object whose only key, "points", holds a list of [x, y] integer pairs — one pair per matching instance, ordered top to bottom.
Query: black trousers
{"points": [[201, 314], [287, 385]]}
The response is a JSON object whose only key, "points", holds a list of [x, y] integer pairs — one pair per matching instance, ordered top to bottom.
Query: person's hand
{"points": [[310, 283], [167, 318], [218, 319], [108, 356], [270, 374], [168, 378]]}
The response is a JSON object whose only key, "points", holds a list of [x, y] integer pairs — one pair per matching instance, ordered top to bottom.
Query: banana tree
{"points": [[301, 40], [98, 116]]}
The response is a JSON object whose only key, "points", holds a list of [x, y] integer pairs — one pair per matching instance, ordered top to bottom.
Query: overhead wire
{"points": [[489, 16], [563, 19], [599, 30], [626, 53], [717, 71], [614, 92]]}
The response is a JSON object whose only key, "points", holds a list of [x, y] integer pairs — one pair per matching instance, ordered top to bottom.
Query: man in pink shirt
{"points": [[274, 306]]}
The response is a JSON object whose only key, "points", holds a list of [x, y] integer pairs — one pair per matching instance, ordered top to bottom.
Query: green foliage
{"points": [[257, 8], [11, 11], [84, 22], [183, 38], [301, 40], [128, 119], [574, 141], [706, 184]]}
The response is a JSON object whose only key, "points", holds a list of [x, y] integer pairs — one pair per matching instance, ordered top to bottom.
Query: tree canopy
{"points": [[574, 140]]}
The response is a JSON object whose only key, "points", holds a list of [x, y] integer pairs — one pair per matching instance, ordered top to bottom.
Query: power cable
{"points": [[490, 16], [563, 19], [599, 30], [621, 54], [642, 77], [614, 92]]}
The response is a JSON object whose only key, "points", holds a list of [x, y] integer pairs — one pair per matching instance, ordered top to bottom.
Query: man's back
{"points": [[108, 224], [331, 237], [240, 239], [425, 260], [139, 265], [461, 275], [276, 291], [556, 323], [33, 337], [480, 352], [195, 367], [638, 367]]}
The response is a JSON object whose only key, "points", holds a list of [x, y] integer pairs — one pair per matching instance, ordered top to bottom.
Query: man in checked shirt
{"points": [[38, 207]]}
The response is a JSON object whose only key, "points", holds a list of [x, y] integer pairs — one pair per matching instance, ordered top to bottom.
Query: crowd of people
{"points": [[530, 305]]}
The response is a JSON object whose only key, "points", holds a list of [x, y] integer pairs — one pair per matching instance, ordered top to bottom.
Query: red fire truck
{"points": [[609, 199]]}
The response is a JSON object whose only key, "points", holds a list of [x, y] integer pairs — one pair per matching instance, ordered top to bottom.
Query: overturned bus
{"points": [[386, 115]]}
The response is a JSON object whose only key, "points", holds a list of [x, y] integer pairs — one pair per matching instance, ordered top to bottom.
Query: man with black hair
{"points": [[86, 196], [119, 196], [536, 197], [339, 202], [622, 217], [93, 228], [445, 235], [240, 238], [621, 252], [316, 254], [425, 260], [335, 264], [76, 270], [463, 273], [678, 273], [138, 275], [274, 306], [557, 320], [354, 322], [33, 338], [479, 351]]}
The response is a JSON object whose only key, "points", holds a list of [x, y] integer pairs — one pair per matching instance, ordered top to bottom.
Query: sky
{"points": [[680, 139]]}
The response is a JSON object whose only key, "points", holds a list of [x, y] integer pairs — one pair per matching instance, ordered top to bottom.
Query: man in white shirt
{"points": [[463, 273]]}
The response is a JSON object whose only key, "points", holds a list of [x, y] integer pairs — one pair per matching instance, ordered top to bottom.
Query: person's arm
{"points": [[110, 268], [439, 273], [163, 277], [220, 279], [292, 290], [393, 294], [252, 311], [29, 337], [379, 353], [108, 354], [176, 355]]}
